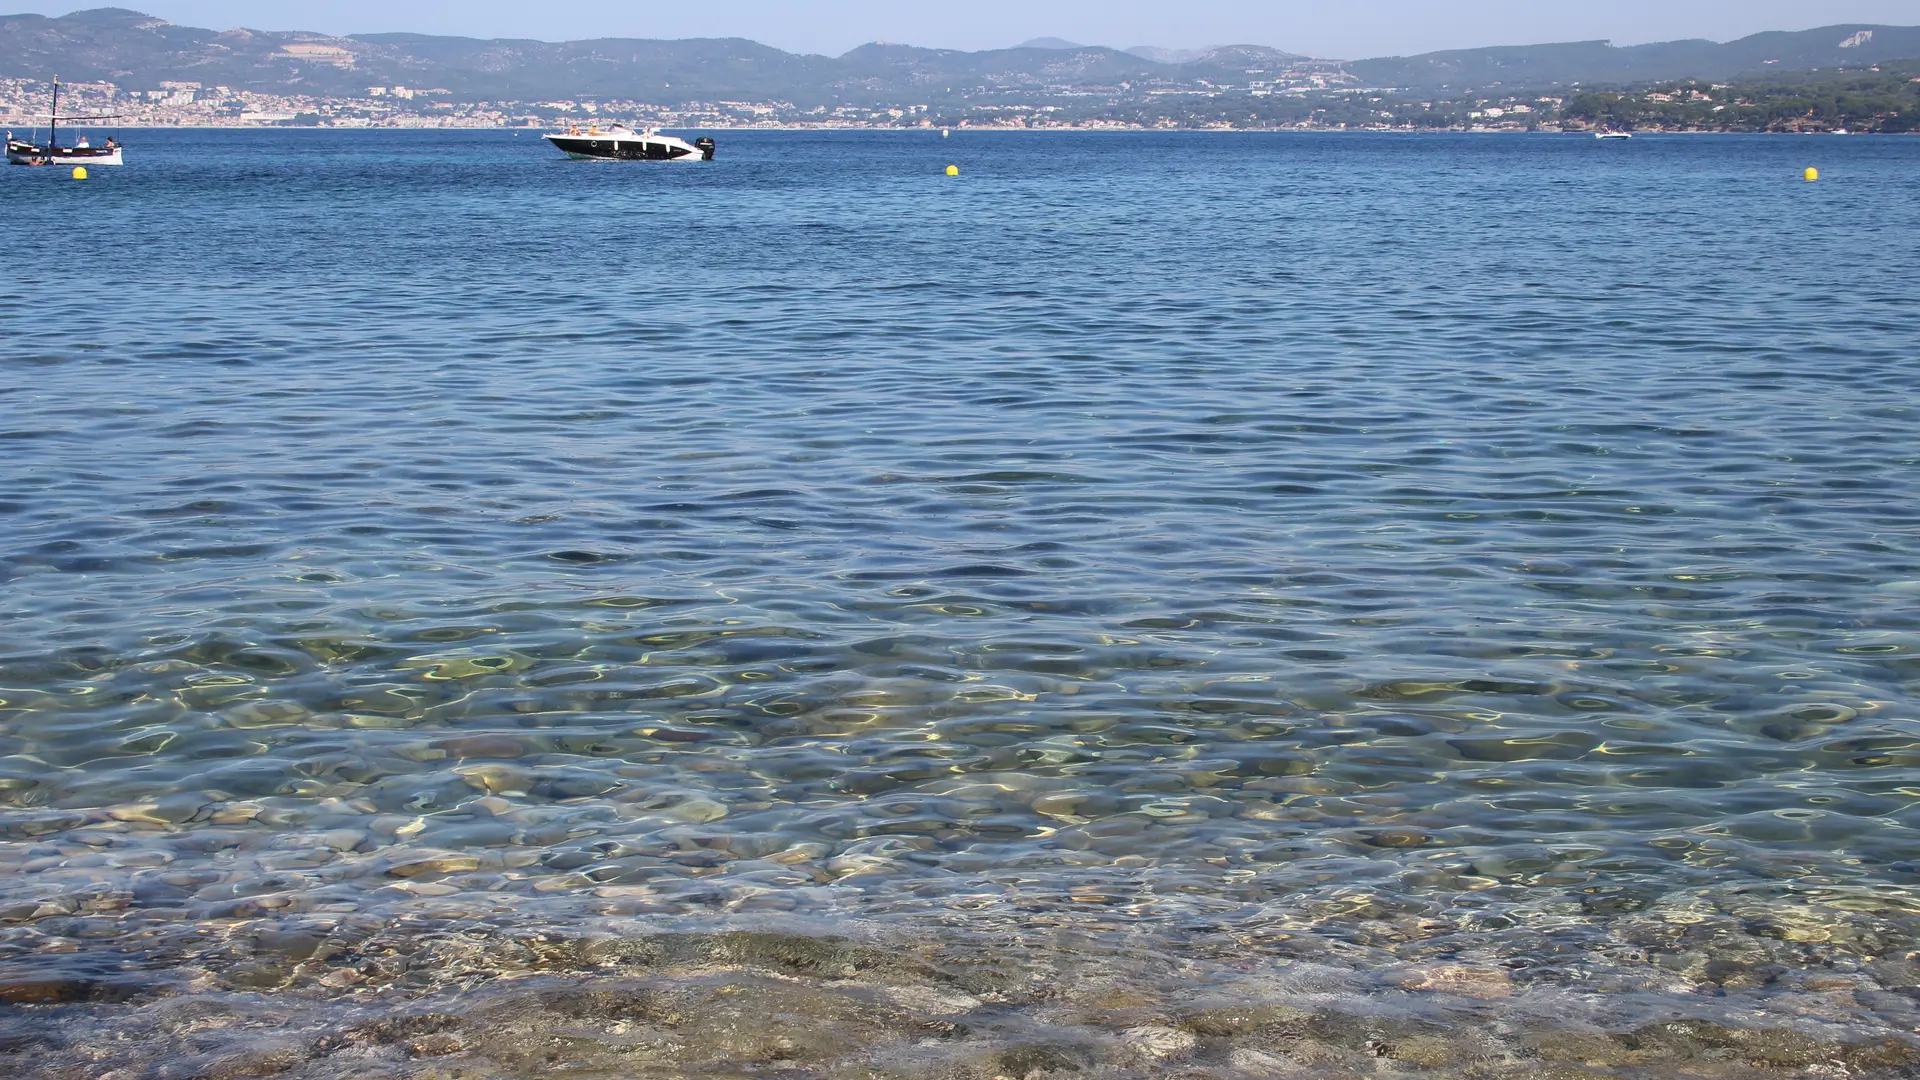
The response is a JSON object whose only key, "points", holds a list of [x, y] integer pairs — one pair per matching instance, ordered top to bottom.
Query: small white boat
{"points": [[1613, 134], [618, 142], [21, 152], [82, 152]]}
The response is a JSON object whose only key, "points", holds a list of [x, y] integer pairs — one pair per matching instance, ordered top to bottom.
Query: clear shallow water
{"points": [[1474, 567]]}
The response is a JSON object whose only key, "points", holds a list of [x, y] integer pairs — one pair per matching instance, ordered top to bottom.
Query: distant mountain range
{"points": [[1849, 44], [135, 50], [1144, 52]]}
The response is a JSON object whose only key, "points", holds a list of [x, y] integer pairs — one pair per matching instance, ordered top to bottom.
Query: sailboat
{"points": [[22, 152]]}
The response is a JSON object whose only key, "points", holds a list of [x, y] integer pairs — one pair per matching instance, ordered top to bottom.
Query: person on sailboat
{"points": [[82, 144]]}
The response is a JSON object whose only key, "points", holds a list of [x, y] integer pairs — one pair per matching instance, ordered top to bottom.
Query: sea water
{"points": [[1156, 604]]}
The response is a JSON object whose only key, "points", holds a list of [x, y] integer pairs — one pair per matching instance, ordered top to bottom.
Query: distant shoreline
{"points": [[1114, 130]]}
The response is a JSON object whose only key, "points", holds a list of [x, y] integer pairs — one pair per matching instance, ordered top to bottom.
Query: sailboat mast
{"points": [[53, 116]]}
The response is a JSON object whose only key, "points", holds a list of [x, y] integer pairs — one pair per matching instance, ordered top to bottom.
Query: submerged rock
{"points": [[781, 1004]]}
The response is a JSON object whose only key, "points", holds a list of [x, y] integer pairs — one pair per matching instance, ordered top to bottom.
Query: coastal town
{"points": [[147, 72], [1315, 101], [1889, 103]]}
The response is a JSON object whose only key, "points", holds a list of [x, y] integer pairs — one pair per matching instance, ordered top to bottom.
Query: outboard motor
{"points": [[705, 146]]}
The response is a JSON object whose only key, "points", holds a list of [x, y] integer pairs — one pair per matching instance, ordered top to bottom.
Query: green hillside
{"points": [[1851, 45]]}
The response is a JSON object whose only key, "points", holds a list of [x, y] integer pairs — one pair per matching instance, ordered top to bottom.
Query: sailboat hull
{"points": [[26, 153]]}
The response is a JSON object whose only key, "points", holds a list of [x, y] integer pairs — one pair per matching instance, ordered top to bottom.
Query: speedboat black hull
{"points": [[624, 147]]}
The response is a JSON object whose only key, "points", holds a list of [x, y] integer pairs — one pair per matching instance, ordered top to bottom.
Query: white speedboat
{"points": [[1613, 134], [618, 142], [82, 152]]}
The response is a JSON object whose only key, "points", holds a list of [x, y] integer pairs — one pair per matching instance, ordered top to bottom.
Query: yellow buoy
{"points": [[953, 170], [79, 172], [1812, 175]]}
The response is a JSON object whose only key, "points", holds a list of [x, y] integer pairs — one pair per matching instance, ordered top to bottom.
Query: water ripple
{"points": [[1405, 546]]}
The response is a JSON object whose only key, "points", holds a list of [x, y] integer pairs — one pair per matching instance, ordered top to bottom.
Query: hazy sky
{"points": [[1347, 29]]}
